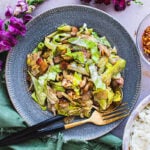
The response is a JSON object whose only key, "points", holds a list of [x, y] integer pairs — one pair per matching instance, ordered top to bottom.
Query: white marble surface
{"points": [[129, 18]]}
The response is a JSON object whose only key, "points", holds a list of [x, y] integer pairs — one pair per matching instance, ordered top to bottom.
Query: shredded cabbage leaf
{"points": [[87, 44], [74, 70], [50, 74], [96, 78], [40, 95]]}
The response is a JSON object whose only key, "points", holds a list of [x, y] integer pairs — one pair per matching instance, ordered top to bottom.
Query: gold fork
{"points": [[103, 118], [38, 130]]}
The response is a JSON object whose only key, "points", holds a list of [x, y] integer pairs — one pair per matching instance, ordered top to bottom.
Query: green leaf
{"points": [[34, 2], [137, 2], [64, 27], [85, 30], [52, 35], [60, 37], [101, 40], [104, 41], [79, 42], [88, 44], [50, 45], [35, 50], [95, 54], [78, 56], [102, 64], [55, 68], [78, 68], [113, 70], [50, 74], [77, 78], [96, 78], [57, 86], [77, 90], [39, 91], [110, 96], [117, 97], [36, 100], [103, 103]]}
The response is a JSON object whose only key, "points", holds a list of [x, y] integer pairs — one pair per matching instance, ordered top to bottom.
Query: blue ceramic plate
{"points": [[46, 23]]}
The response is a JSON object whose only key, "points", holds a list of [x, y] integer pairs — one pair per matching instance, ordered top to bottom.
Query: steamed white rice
{"points": [[140, 131]]}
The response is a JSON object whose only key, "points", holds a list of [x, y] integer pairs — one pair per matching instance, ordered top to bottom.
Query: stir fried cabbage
{"points": [[74, 70]]}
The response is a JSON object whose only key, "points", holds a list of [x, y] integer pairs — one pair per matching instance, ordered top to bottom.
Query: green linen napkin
{"points": [[10, 122]]}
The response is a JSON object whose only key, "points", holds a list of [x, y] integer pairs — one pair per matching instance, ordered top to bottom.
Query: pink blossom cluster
{"points": [[118, 4], [13, 26]]}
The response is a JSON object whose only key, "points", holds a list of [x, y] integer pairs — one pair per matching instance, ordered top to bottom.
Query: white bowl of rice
{"points": [[137, 130]]}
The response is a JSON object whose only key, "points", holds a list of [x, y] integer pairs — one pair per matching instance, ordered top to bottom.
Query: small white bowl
{"points": [[143, 25], [133, 115]]}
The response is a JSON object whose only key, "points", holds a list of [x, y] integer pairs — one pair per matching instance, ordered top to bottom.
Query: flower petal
{"points": [[119, 4], [21, 7], [9, 12], [27, 18], [14, 20], [1, 24], [16, 26], [14, 30], [4, 35], [7, 36], [4, 46]]}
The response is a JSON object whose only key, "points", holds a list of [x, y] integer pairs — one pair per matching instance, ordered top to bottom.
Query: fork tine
{"points": [[121, 105], [112, 108], [120, 109], [117, 114], [116, 118]]}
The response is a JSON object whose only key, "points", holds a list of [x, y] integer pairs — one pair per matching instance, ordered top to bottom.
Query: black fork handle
{"points": [[31, 129], [33, 135]]}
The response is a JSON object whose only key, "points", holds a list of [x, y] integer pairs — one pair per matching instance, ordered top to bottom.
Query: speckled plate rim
{"points": [[29, 24], [134, 114]]}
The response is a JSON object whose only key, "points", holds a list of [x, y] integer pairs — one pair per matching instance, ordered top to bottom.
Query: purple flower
{"points": [[119, 4], [21, 7], [9, 12], [27, 18], [1, 24], [16, 26], [14, 30], [6, 35], [7, 40], [4, 46], [1, 63]]}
